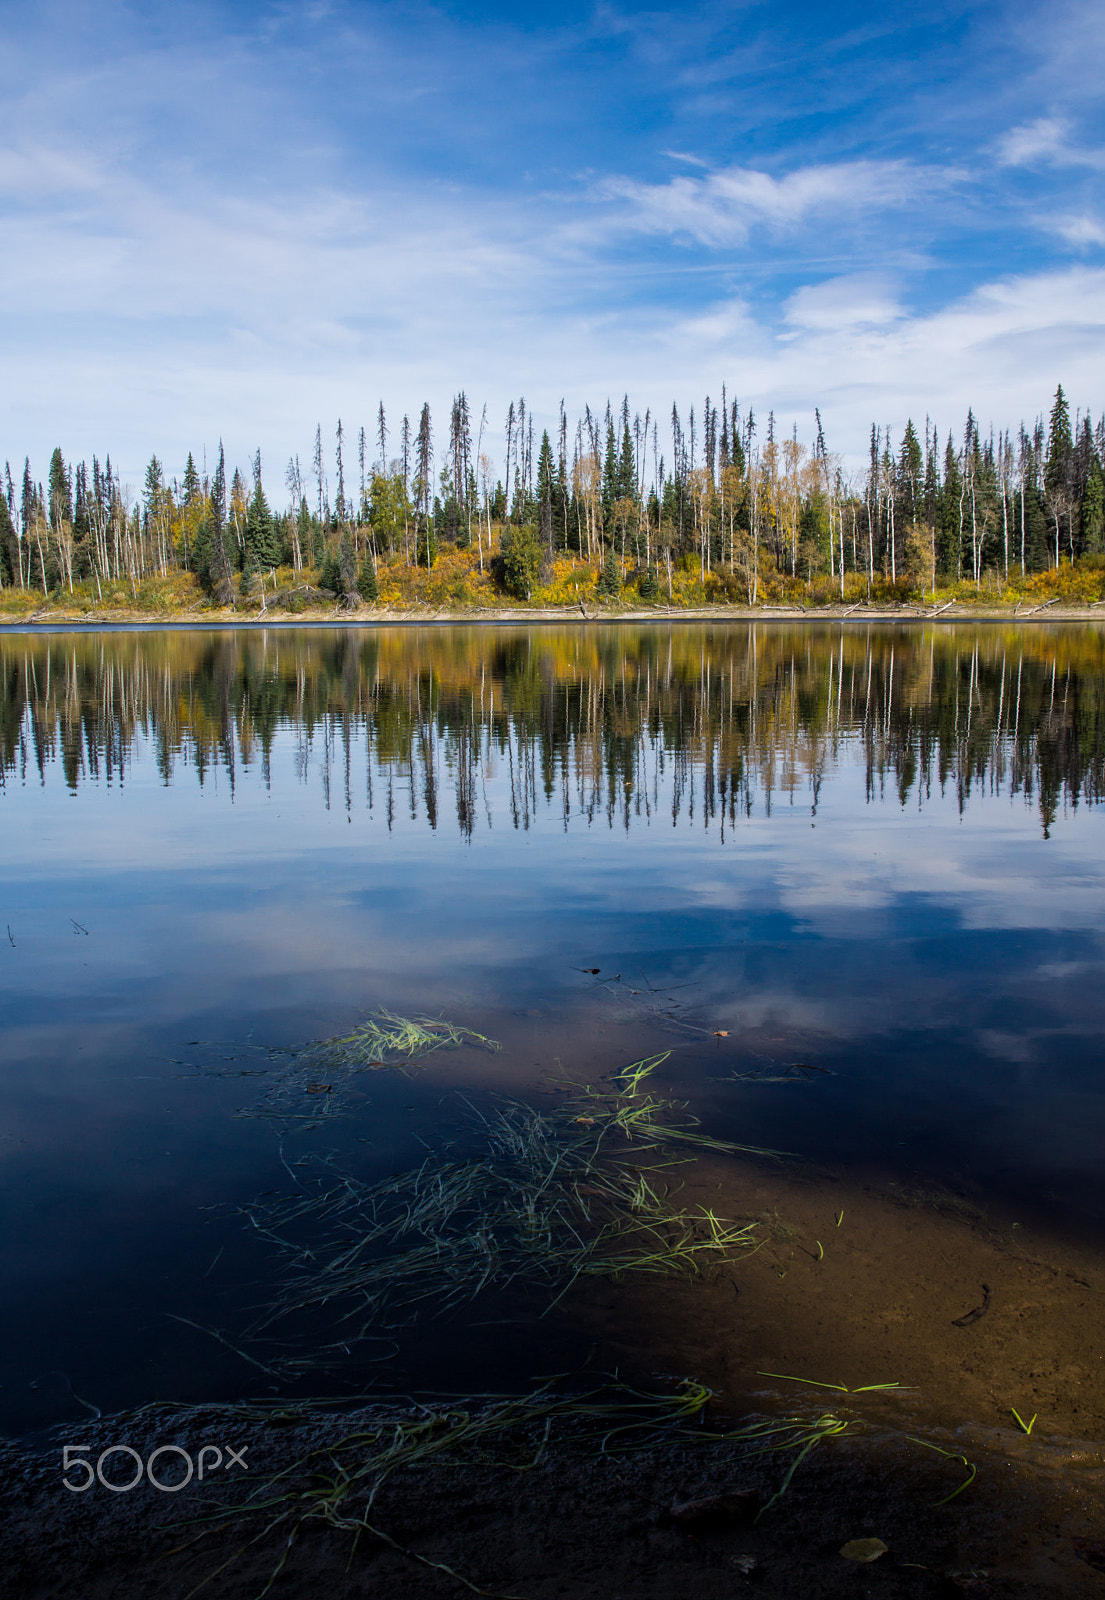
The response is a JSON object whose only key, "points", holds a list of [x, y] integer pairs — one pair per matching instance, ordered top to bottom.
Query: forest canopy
{"points": [[724, 496]]}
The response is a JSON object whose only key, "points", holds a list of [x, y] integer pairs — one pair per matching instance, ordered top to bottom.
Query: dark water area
{"points": [[851, 877]]}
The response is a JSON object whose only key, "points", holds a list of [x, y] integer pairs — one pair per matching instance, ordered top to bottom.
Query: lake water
{"points": [[851, 877]]}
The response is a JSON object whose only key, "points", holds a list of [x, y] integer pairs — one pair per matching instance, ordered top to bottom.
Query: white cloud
{"points": [[1035, 141], [1045, 143], [681, 155], [725, 206], [1082, 232], [856, 301], [148, 311], [148, 321], [1001, 348]]}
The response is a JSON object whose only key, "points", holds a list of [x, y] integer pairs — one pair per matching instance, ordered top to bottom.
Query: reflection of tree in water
{"points": [[617, 724]]}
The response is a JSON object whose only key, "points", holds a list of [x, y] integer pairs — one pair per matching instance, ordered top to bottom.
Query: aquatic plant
{"points": [[386, 1035], [310, 1083], [552, 1198]]}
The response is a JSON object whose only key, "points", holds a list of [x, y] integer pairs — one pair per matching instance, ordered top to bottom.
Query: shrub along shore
{"points": [[456, 589]]}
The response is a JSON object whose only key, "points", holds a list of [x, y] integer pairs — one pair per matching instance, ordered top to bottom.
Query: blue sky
{"points": [[241, 220]]}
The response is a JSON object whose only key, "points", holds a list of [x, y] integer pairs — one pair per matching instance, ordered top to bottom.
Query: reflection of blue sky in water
{"points": [[945, 961]]}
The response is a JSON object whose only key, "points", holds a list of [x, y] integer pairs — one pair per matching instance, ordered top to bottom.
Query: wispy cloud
{"points": [[1045, 142], [681, 155], [724, 207], [229, 219], [1081, 232], [862, 300]]}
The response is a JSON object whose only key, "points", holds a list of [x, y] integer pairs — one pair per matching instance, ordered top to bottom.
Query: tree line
{"points": [[723, 497]]}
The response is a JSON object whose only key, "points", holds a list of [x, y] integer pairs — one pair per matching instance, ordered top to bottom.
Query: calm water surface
{"points": [[878, 852]]}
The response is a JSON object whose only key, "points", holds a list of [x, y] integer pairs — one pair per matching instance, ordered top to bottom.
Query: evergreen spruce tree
{"points": [[736, 443], [1060, 446], [627, 466], [459, 469], [546, 472], [910, 475], [1059, 475], [609, 476], [932, 485], [153, 487], [60, 492], [546, 492], [80, 503], [28, 504], [1093, 512], [563, 518], [283, 527], [262, 535], [950, 539], [9, 546], [202, 552], [520, 557], [218, 564], [347, 569], [338, 573], [329, 574], [609, 580], [367, 582]]}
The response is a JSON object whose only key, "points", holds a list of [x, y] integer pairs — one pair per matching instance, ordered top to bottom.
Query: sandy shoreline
{"points": [[415, 616], [658, 1523]]}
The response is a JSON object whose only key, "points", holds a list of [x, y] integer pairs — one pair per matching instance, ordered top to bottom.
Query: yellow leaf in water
{"points": [[863, 1549]]}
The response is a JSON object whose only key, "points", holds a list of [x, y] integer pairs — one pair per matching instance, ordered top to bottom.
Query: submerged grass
{"points": [[384, 1036], [311, 1086], [650, 1120], [552, 1199], [544, 1207]]}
